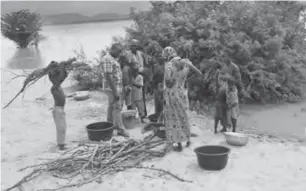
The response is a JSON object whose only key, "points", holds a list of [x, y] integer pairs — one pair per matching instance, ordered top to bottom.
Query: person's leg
{"points": [[144, 100], [156, 103], [140, 108], [59, 117], [109, 117], [117, 118], [217, 118], [234, 123], [216, 125]]}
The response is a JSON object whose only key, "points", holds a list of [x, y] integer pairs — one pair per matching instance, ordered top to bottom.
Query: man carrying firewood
{"points": [[57, 74]]}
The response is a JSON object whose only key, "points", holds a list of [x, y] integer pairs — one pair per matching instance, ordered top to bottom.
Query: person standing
{"points": [[138, 60], [57, 74], [231, 75], [127, 81], [113, 87], [158, 87], [175, 99], [232, 101], [137, 102]]}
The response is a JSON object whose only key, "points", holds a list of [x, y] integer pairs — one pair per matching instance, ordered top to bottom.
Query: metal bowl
{"points": [[81, 95], [129, 113], [236, 139]]}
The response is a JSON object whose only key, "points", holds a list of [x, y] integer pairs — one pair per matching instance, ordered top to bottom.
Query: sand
{"points": [[28, 136]]}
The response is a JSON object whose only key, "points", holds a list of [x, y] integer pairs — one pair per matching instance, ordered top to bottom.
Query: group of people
{"points": [[124, 78]]}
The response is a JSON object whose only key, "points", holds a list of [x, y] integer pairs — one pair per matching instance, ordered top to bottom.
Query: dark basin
{"points": [[153, 117], [100, 131], [160, 133], [212, 157]]}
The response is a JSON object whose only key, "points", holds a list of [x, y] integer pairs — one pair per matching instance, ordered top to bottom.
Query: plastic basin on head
{"points": [[100, 131], [212, 157]]}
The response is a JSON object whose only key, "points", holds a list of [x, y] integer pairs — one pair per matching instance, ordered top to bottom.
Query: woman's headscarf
{"points": [[169, 52]]}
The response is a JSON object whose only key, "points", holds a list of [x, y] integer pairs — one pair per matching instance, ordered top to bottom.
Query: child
{"points": [[137, 96], [232, 101], [221, 104]]}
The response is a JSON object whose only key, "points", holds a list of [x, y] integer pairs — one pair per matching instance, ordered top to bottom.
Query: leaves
{"points": [[22, 27], [259, 37]]}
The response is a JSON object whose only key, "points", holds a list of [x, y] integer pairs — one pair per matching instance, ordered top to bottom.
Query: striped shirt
{"points": [[110, 65]]}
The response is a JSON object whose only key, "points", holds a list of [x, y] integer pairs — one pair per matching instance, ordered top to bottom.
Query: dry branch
{"points": [[37, 74], [97, 160]]}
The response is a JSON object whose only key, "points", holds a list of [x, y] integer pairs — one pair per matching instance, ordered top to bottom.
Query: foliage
{"points": [[22, 27], [265, 39]]}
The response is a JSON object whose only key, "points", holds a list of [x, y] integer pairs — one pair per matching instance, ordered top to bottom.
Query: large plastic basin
{"points": [[100, 131], [212, 157]]}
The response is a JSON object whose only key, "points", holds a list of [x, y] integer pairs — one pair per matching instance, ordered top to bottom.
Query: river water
{"points": [[60, 43]]}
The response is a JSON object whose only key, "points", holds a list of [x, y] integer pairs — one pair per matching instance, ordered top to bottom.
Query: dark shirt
{"points": [[126, 76], [158, 76], [221, 97]]}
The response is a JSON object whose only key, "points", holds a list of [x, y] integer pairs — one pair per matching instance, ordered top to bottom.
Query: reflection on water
{"points": [[26, 58]]}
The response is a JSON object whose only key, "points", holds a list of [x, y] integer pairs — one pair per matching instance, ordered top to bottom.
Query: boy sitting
{"points": [[137, 96]]}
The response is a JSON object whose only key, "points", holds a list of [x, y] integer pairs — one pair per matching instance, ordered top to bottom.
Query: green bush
{"points": [[265, 39]]}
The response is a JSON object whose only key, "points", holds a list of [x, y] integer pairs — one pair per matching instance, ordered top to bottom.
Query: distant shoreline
{"points": [[85, 22]]}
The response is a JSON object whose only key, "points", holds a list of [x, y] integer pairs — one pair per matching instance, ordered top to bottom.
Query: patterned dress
{"points": [[231, 99], [176, 103]]}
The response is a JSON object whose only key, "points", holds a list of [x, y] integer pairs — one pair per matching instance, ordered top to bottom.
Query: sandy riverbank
{"points": [[28, 134]]}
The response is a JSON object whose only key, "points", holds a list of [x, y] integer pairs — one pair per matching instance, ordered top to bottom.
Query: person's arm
{"points": [[193, 68], [107, 70], [238, 79]]}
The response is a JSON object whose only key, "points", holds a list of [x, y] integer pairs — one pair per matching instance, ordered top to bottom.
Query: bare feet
{"points": [[223, 130], [123, 132], [188, 143], [62, 147], [167, 148], [178, 148]]}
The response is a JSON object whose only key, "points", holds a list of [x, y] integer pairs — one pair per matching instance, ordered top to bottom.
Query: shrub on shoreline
{"points": [[22, 27], [265, 39]]}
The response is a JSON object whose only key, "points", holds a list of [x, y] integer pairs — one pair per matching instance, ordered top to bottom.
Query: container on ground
{"points": [[81, 95], [129, 118], [100, 131], [160, 133], [236, 139], [212, 157]]}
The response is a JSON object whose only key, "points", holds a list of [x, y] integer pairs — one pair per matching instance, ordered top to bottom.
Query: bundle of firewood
{"points": [[33, 77], [89, 162]]}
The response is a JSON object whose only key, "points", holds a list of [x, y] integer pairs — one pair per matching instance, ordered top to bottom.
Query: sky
{"points": [[87, 8]]}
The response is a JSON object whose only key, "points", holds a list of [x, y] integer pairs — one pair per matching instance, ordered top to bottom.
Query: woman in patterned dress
{"points": [[176, 99]]}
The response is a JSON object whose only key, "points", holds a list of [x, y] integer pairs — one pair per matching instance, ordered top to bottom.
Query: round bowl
{"points": [[81, 95], [129, 113], [154, 117], [129, 118], [100, 131], [161, 133], [236, 139], [212, 157]]}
